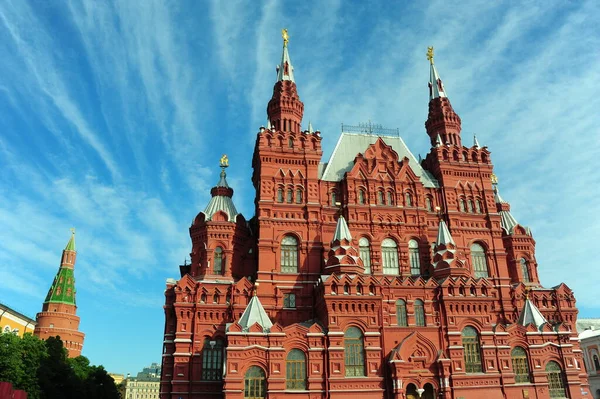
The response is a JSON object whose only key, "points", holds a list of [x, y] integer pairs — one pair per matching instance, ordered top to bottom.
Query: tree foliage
{"points": [[43, 370]]}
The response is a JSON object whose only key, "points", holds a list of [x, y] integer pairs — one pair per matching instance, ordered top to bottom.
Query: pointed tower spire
{"points": [[285, 110], [442, 119], [310, 127], [475, 142], [221, 196], [507, 220], [342, 232], [444, 237], [343, 257], [447, 259], [58, 311], [531, 314]]}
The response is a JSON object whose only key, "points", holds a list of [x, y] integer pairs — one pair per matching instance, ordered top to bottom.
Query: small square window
{"points": [[289, 301]]}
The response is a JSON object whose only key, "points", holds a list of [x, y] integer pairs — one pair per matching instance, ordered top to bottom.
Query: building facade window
{"points": [[280, 194], [289, 196], [298, 196], [361, 196], [333, 197], [380, 197], [389, 198], [408, 199], [428, 204], [461, 205], [470, 206], [478, 206], [364, 249], [289, 255], [389, 255], [414, 257], [479, 260], [218, 261], [525, 270], [289, 301], [401, 313], [419, 313], [470, 341], [354, 356], [212, 360], [596, 363], [520, 365], [295, 370], [556, 381], [255, 384]]}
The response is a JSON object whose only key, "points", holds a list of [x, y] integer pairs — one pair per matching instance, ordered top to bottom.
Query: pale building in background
{"points": [[14, 322], [589, 336]]}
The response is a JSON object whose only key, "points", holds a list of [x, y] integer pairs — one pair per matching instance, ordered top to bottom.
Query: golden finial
{"points": [[286, 37], [430, 54], [224, 161], [494, 178], [72, 230], [527, 291]]}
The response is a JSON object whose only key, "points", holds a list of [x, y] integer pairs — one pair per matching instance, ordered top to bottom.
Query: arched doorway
{"points": [[255, 385], [411, 392], [429, 392]]}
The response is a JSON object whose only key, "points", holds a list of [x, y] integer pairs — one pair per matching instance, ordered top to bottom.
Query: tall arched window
{"points": [[291, 142], [280, 194], [289, 196], [298, 196], [361, 196], [333, 197], [380, 197], [389, 198], [408, 199], [428, 204], [461, 205], [470, 206], [478, 206], [364, 249], [289, 255], [389, 255], [414, 257], [218, 260], [479, 261], [525, 270], [401, 313], [419, 313], [470, 341], [354, 353], [212, 360], [596, 363], [520, 365], [295, 370], [556, 381], [255, 383]]}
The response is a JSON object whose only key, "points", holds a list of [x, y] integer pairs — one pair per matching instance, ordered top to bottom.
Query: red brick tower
{"points": [[370, 275], [58, 315]]}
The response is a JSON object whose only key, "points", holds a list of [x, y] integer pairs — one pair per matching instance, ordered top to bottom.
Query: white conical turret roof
{"points": [[341, 230], [444, 237], [255, 313], [531, 314]]}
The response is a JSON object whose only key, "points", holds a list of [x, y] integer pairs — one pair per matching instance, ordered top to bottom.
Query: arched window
{"points": [[291, 142], [280, 194], [289, 196], [298, 196], [361, 196], [380, 197], [333, 198], [390, 198], [408, 199], [428, 204], [461, 204], [470, 206], [478, 206], [364, 249], [289, 255], [389, 255], [414, 258], [218, 260], [479, 261], [525, 270], [346, 289], [203, 298], [216, 298], [401, 313], [419, 313], [470, 341], [354, 353], [212, 360], [596, 363], [520, 365], [295, 370], [556, 381], [255, 383]]}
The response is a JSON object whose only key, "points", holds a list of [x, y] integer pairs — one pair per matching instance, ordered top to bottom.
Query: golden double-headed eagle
{"points": [[286, 37], [430, 54], [224, 161]]}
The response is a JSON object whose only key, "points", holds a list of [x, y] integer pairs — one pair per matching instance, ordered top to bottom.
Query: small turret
{"points": [[343, 257], [447, 259]]}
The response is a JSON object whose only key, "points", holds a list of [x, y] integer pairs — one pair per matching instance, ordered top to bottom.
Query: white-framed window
{"points": [[364, 249], [289, 255], [389, 256], [414, 257], [479, 260]]}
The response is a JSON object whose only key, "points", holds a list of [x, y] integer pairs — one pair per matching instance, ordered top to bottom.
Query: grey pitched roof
{"points": [[434, 77], [350, 145], [507, 220], [341, 230], [444, 236], [255, 313], [531, 314]]}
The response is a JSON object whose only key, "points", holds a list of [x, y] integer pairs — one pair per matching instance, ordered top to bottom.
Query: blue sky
{"points": [[113, 116]]}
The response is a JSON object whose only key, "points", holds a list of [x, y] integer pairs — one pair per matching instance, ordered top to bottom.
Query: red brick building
{"points": [[366, 275], [59, 311]]}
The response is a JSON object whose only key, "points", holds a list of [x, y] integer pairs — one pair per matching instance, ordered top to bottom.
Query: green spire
{"points": [[71, 244]]}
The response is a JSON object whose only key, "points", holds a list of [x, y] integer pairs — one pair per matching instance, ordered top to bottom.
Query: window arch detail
{"points": [[364, 249], [289, 255], [389, 255], [414, 257], [218, 260], [479, 260], [525, 270], [401, 313], [419, 313], [472, 348], [354, 353], [212, 360], [520, 365], [295, 366], [556, 380], [255, 383]]}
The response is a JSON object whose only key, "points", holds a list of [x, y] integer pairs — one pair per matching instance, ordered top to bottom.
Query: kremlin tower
{"points": [[367, 275], [58, 316]]}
